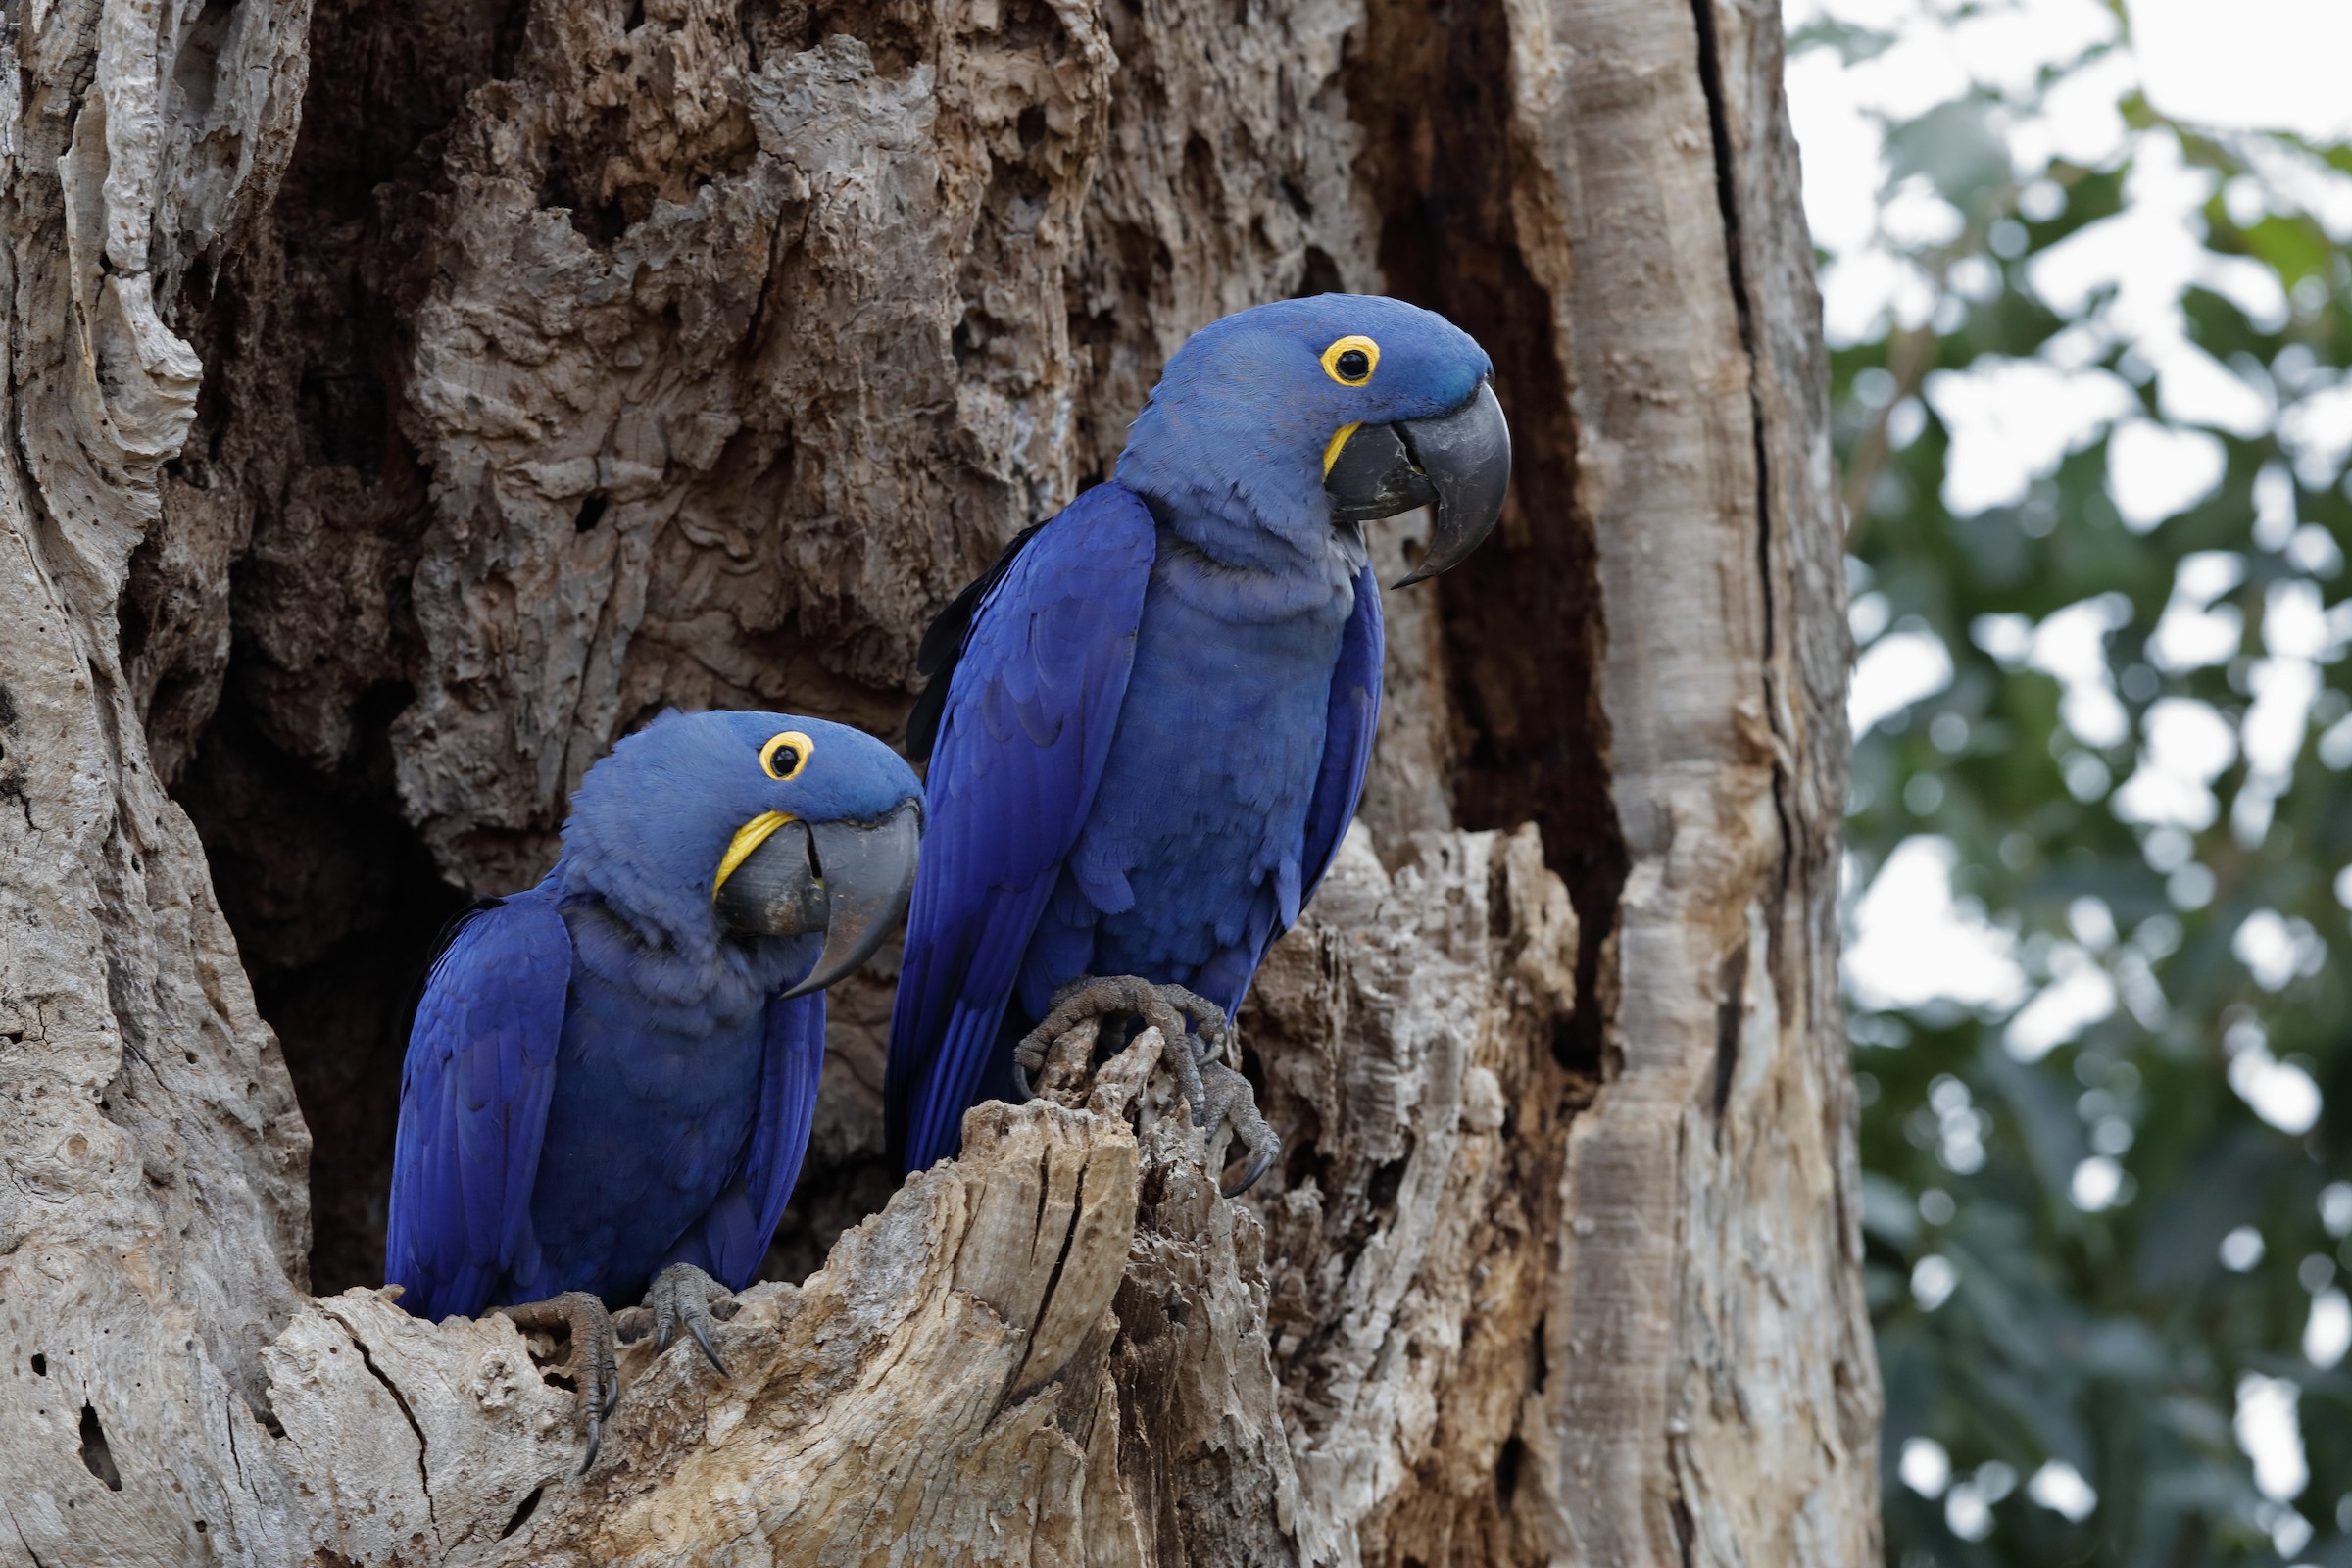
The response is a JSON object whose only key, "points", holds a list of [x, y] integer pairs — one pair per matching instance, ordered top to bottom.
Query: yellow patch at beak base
{"points": [[1331, 453], [747, 838]]}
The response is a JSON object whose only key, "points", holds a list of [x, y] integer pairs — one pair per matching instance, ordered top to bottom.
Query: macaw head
{"points": [[1323, 412], [705, 826]]}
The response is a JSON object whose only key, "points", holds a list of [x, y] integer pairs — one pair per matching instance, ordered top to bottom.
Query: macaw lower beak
{"points": [[1459, 462], [850, 880]]}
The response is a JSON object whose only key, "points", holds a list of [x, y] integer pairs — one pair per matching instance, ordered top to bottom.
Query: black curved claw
{"points": [[1020, 1081], [1259, 1166], [681, 1295], [702, 1337], [594, 1372], [596, 1439]]}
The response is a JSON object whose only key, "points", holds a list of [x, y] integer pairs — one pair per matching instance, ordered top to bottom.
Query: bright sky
{"points": [[2265, 64]]}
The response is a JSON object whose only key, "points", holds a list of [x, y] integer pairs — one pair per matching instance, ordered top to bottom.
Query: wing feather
{"points": [[1024, 727], [473, 1097]]}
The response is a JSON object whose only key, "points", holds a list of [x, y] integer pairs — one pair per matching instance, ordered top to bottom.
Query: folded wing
{"points": [[1033, 696], [473, 1100]]}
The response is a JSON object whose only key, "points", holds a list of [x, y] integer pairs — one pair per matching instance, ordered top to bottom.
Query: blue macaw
{"points": [[1148, 724], [611, 1076]]}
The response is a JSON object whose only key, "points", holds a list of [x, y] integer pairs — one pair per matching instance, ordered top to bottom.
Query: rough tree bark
{"points": [[403, 398]]}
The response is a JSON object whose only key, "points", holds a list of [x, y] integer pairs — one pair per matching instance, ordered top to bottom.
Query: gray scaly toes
{"points": [[1080, 1008], [1220, 1096], [1230, 1103], [681, 1297], [591, 1368]]}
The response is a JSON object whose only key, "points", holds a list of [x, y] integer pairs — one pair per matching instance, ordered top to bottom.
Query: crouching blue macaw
{"points": [[1148, 724], [611, 1076]]}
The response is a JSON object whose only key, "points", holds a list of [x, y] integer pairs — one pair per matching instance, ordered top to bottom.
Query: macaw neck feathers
{"points": [[718, 977]]}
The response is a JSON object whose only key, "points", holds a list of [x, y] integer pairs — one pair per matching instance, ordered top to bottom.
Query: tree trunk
{"points": [[408, 397]]}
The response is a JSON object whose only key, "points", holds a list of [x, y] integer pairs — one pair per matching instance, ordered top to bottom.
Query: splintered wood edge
{"points": [[945, 1325]]}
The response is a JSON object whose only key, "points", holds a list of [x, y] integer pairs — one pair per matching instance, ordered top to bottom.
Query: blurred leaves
{"points": [[2044, 1221]]}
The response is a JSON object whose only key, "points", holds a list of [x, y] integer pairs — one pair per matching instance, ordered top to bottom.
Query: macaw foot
{"points": [[1221, 1098], [1228, 1102], [681, 1297], [591, 1367]]}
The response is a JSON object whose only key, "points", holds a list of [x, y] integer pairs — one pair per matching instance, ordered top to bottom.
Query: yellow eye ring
{"points": [[1351, 360], [793, 742]]}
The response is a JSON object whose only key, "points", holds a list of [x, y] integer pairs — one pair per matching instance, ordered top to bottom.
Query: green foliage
{"points": [[2046, 1231]]}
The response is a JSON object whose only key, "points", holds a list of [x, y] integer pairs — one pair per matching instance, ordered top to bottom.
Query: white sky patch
{"points": [[2005, 47], [2277, 65], [2079, 118], [1844, 166], [2298, 181], [1917, 219], [2146, 254], [1863, 288], [2193, 387], [2011, 422], [2317, 431], [2156, 471], [2273, 508], [2313, 550], [1867, 616], [2296, 625], [2192, 631], [2007, 636], [2070, 646], [1892, 673], [2275, 725], [2334, 744], [2187, 746], [1914, 943], [2276, 949], [2079, 994], [2280, 1092], [2096, 1184], [2335, 1209], [2241, 1250], [1933, 1280], [2327, 1332], [2271, 1435], [1925, 1467], [2060, 1488], [1966, 1512]]}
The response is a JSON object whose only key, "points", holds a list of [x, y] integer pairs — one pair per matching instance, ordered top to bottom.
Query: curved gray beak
{"points": [[1459, 462], [850, 880]]}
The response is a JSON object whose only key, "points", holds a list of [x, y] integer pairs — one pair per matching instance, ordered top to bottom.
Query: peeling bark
{"points": [[404, 401]]}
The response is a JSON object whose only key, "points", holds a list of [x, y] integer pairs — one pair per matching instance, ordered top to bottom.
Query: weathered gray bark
{"points": [[405, 400]]}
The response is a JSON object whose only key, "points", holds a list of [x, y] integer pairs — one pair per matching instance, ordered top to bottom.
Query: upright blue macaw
{"points": [[1148, 724], [611, 1076]]}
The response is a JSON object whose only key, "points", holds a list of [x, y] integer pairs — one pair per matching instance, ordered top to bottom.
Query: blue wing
{"points": [[1033, 699], [1348, 728], [473, 1096], [734, 1235]]}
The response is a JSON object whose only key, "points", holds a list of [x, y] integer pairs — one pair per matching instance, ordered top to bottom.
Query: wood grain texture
{"points": [[407, 399]]}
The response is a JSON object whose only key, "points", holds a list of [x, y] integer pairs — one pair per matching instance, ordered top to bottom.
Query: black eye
{"points": [[1353, 364], [784, 754]]}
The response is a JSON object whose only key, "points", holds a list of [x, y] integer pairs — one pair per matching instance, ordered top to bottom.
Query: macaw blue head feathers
{"points": [[1255, 412], [704, 824]]}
